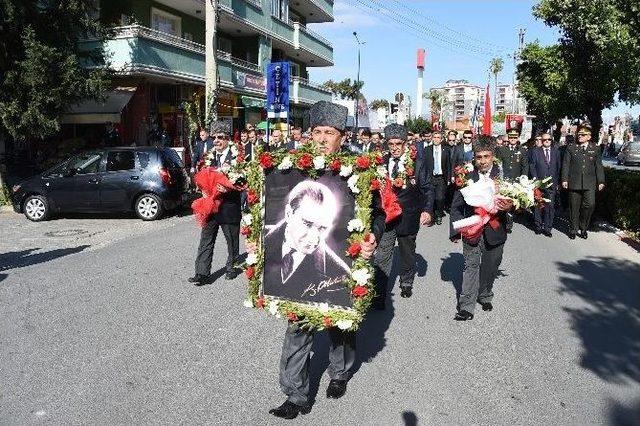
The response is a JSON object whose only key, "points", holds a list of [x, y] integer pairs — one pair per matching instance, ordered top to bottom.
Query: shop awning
{"points": [[251, 102], [96, 112]]}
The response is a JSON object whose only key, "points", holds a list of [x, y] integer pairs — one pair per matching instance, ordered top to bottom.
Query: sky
{"points": [[460, 37]]}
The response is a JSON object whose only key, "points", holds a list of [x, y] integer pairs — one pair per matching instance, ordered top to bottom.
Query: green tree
{"points": [[599, 48], [496, 67], [44, 69], [345, 88], [379, 103], [500, 117], [418, 125]]}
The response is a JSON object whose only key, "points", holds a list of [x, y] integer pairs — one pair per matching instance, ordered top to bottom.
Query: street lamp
{"points": [[359, 43]]}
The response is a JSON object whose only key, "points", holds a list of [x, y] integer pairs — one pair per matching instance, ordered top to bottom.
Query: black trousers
{"points": [[440, 186], [449, 191], [582, 203], [543, 218], [208, 241], [384, 259]]}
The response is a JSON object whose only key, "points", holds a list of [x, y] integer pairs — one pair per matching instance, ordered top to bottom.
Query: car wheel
{"points": [[148, 207], [36, 208]]}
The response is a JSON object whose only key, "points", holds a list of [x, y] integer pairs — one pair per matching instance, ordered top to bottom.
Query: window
{"points": [[280, 9], [166, 22], [224, 44], [144, 159], [120, 160], [85, 164]]}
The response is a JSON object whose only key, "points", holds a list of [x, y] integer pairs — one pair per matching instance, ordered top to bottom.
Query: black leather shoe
{"points": [[538, 231], [547, 233], [572, 235], [584, 235], [230, 275], [198, 279], [406, 292], [486, 306], [463, 316], [336, 388], [289, 410]]}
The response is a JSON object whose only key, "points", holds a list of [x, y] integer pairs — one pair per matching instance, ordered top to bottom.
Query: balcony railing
{"points": [[136, 30], [312, 33], [221, 54]]}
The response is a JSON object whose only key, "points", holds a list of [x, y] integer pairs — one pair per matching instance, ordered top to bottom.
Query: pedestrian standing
{"points": [[204, 144], [515, 163], [545, 163], [438, 169], [582, 175], [226, 218], [483, 255]]}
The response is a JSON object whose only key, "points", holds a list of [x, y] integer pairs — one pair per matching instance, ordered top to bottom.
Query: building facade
{"points": [[158, 54], [460, 100], [508, 100]]}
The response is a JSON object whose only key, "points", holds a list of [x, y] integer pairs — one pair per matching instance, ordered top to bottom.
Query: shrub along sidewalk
{"points": [[619, 203]]}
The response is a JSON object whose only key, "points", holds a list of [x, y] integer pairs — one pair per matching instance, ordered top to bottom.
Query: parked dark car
{"points": [[629, 154], [146, 180]]}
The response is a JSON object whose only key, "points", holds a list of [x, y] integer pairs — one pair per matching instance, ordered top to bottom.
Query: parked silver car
{"points": [[629, 154]]}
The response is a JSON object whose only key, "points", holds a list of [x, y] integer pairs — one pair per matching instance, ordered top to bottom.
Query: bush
{"points": [[5, 195], [620, 201]]}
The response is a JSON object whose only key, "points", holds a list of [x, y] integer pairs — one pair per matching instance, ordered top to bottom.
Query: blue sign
{"points": [[278, 90]]}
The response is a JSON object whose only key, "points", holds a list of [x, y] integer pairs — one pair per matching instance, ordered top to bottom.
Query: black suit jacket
{"points": [[201, 148], [514, 163], [582, 168], [539, 169], [416, 198], [461, 210], [229, 212], [319, 277]]}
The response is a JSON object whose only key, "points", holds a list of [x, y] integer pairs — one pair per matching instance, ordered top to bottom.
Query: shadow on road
{"points": [[23, 258], [451, 271], [2, 277], [609, 326], [623, 415], [409, 418]]}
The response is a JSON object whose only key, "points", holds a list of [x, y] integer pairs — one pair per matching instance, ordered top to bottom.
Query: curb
{"points": [[6, 209], [623, 236]]}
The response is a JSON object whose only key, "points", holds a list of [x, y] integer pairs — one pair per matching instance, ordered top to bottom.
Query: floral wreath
{"points": [[362, 178], [400, 181]]}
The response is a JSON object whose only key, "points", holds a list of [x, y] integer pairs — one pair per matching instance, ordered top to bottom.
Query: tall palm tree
{"points": [[497, 65]]}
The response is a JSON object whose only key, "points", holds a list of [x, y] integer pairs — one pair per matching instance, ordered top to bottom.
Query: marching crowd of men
{"points": [[429, 190]]}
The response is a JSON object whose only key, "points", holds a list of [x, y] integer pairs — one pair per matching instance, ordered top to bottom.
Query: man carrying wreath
{"points": [[328, 122], [415, 192], [483, 252]]}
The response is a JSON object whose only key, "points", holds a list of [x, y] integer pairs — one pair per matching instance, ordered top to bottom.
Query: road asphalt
{"points": [[99, 326]]}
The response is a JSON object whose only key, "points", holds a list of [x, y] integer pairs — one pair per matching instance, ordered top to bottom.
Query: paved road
{"points": [[101, 328]]}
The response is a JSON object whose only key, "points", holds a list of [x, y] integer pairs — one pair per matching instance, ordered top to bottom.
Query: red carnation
{"points": [[293, 151], [413, 152], [240, 158], [379, 159], [266, 160], [305, 161], [363, 162], [335, 165], [459, 170], [409, 171], [459, 181], [398, 182], [375, 185], [537, 193], [252, 197], [245, 230], [354, 249], [250, 272], [359, 291], [260, 302], [291, 316], [327, 321]]}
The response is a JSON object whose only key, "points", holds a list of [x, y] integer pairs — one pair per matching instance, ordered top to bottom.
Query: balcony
{"points": [[314, 10], [314, 44], [305, 92]]}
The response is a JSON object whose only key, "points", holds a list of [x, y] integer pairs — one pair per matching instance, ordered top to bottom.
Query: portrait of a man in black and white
{"points": [[300, 262]]}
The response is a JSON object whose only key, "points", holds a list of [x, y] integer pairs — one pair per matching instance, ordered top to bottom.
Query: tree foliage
{"points": [[597, 59], [43, 69], [345, 88], [379, 103], [418, 125]]}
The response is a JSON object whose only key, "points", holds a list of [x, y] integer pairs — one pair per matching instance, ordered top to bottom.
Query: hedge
{"points": [[620, 201]]}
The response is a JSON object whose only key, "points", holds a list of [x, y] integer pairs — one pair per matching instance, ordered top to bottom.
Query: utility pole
{"points": [[211, 65], [515, 108], [355, 130]]}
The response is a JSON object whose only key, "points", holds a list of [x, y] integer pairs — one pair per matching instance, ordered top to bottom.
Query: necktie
{"points": [[547, 155], [218, 159], [396, 168], [287, 265]]}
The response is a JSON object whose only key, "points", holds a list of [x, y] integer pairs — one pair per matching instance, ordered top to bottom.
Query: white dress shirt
{"points": [[400, 165]]}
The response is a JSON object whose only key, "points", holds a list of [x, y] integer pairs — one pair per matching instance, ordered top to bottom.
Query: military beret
{"points": [[325, 113], [221, 126], [586, 127], [395, 131], [513, 132]]}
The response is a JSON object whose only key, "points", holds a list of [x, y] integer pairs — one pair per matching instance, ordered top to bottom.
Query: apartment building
{"points": [[158, 53], [459, 101]]}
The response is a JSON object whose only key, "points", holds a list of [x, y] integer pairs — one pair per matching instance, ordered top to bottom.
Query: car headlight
{"points": [[16, 188]]}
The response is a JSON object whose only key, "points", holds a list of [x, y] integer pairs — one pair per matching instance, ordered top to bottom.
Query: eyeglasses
{"points": [[584, 134], [219, 137], [466, 137], [546, 139]]}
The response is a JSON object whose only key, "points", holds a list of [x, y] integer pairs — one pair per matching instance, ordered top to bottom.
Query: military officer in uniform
{"points": [[328, 122], [514, 163], [582, 175]]}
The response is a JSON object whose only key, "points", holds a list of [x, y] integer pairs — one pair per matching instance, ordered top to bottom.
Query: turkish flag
{"points": [[486, 123]]}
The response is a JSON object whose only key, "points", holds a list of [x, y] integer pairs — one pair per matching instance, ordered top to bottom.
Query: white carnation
{"points": [[319, 162], [285, 164], [468, 167], [345, 171], [381, 171], [353, 184], [247, 219], [355, 225], [252, 259], [361, 276], [248, 304], [273, 307], [324, 308], [344, 324]]}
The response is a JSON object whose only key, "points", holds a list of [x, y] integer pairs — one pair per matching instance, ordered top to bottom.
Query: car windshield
{"points": [[634, 146], [82, 163]]}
